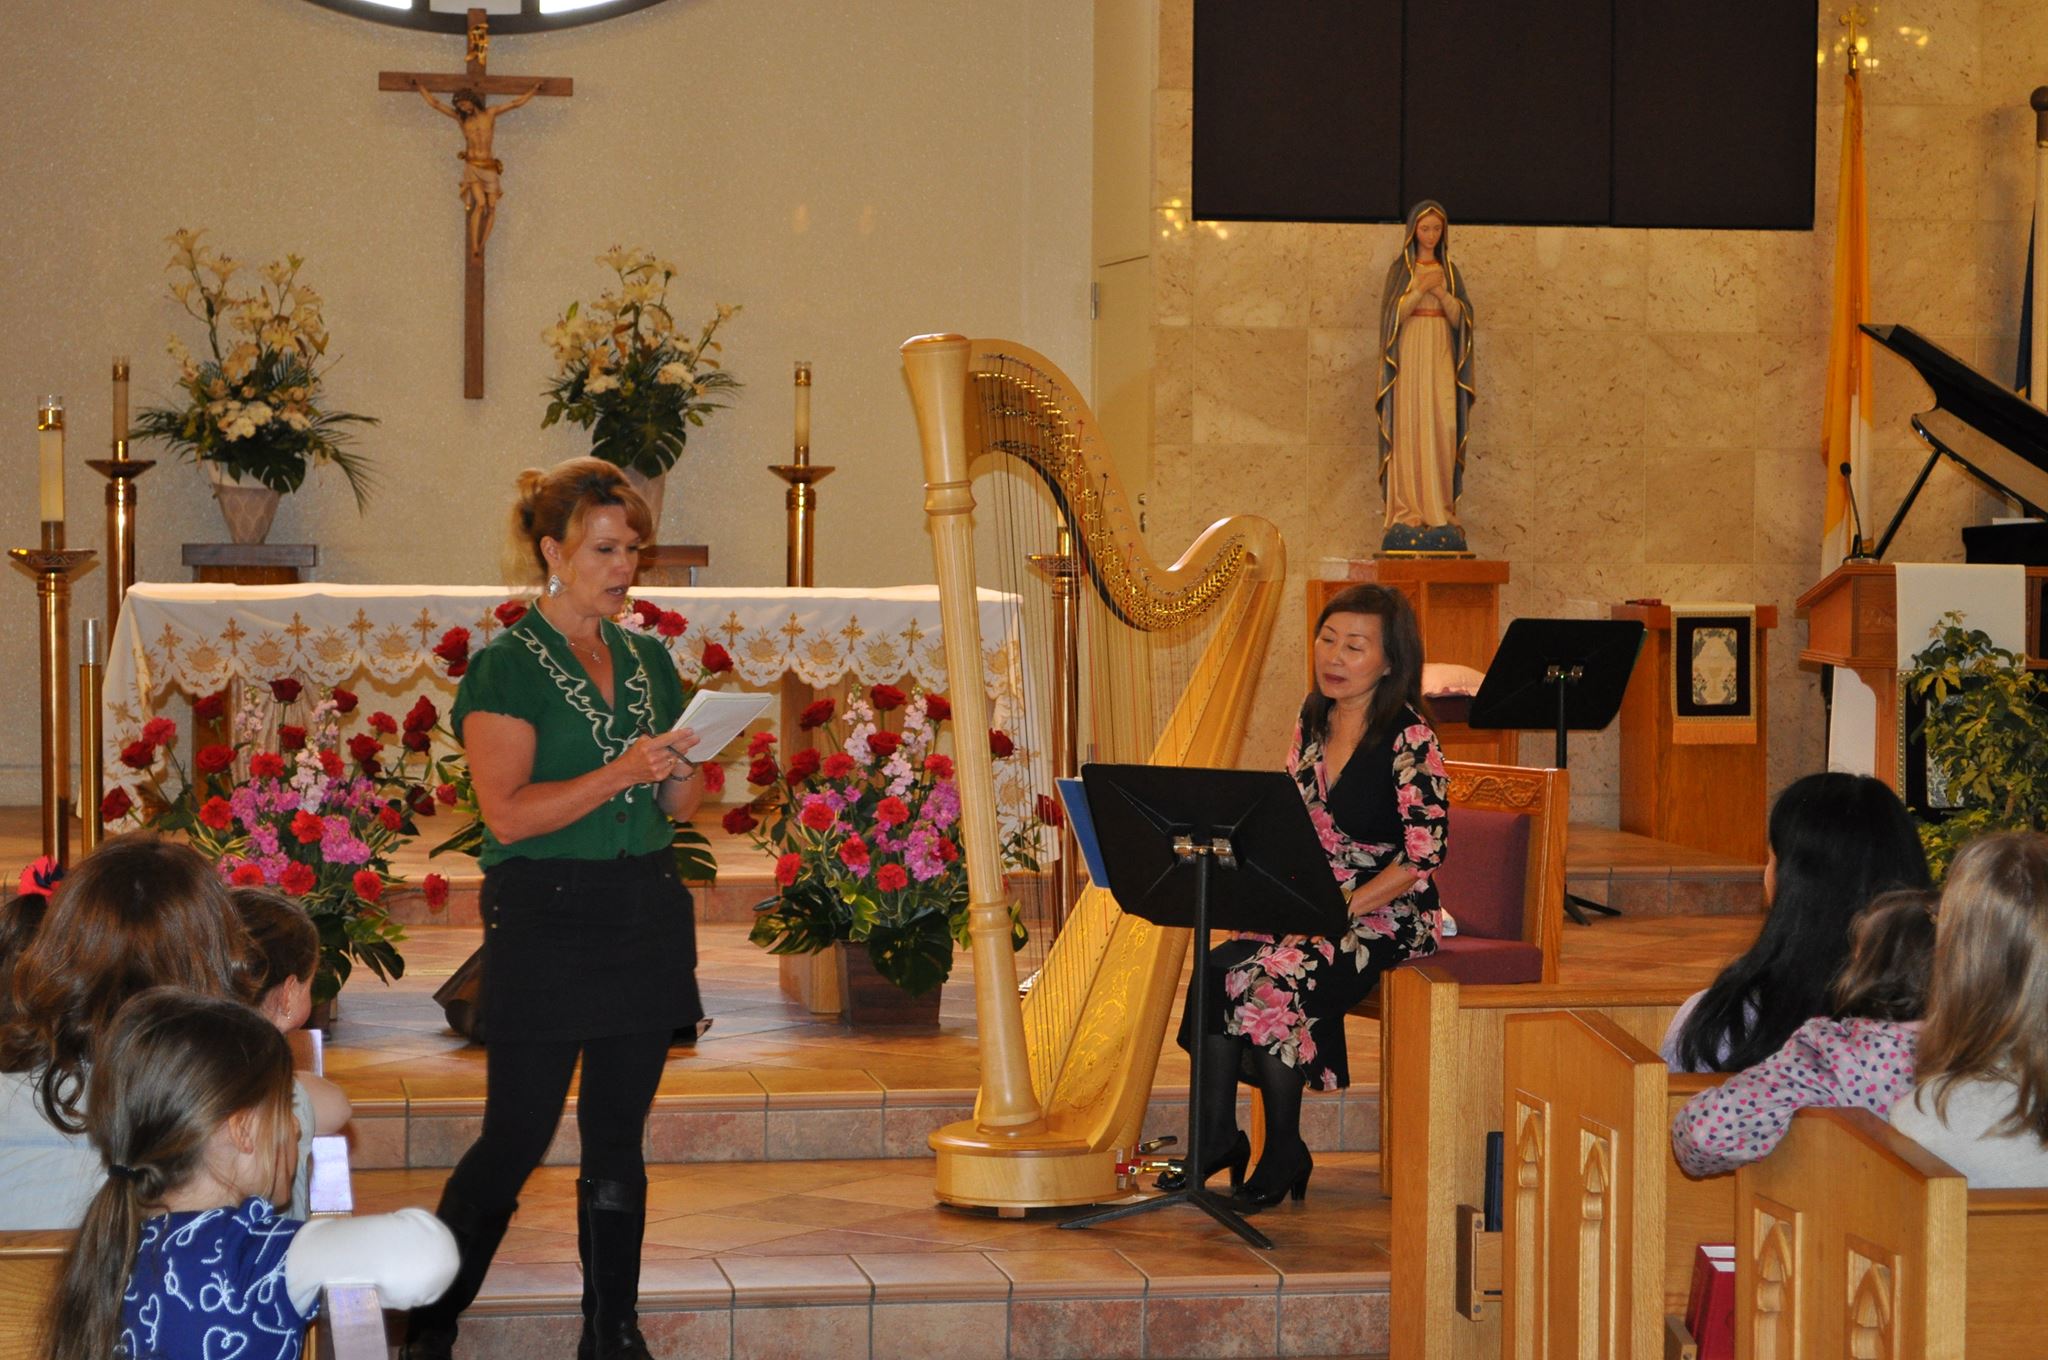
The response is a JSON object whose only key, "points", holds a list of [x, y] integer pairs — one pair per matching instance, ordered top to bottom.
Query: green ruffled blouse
{"points": [[528, 672]]}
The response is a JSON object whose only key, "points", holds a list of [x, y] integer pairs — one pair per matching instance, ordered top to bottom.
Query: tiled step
{"points": [[1644, 877], [843, 1259]]}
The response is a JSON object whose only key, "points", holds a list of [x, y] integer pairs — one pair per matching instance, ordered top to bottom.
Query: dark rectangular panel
{"points": [[1297, 110], [1505, 113], [1713, 114]]}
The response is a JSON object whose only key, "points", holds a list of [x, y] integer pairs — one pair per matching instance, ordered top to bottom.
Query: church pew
{"points": [[1442, 1080], [1858, 1241]]}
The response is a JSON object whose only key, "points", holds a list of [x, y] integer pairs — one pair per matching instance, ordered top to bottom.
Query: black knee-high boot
{"points": [[1285, 1164], [611, 1217], [430, 1331]]}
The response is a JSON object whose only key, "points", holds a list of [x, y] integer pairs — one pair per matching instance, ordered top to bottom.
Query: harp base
{"points": [[1034, 1169]]}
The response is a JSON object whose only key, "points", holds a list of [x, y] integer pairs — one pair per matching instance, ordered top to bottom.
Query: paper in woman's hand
{"points": [[717, 718]]}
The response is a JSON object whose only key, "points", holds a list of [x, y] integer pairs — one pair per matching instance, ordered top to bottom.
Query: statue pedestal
{"points": [[1457, 606]]}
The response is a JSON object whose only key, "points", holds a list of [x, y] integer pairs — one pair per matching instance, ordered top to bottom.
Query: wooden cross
{"points": [[480, 190]]}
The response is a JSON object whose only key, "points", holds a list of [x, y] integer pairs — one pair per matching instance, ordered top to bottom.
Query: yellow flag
{"points": [[1845, 426]]}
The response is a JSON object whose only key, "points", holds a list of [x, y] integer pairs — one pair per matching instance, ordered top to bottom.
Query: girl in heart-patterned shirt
{"points": [[1860, 1057]]}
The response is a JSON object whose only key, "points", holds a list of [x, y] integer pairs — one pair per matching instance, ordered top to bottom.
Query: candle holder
{"points": [[121, 472], [801, 501], [53, 569], [92, 758]]}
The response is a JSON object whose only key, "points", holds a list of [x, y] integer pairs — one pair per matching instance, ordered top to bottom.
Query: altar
{"points": [[191, 640]]}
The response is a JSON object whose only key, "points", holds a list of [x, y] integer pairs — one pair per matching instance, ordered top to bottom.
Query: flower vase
{"points": [[651, 490], [247, 508], [871, 1001]]}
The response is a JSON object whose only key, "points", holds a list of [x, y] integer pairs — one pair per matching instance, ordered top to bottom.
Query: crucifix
{"points": [[480, 190]]}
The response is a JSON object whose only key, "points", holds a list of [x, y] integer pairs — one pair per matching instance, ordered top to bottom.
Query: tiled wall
{"points": [[1649, 401]]}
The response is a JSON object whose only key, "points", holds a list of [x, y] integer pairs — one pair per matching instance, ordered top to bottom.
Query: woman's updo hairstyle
{"points": [[554, 503]]}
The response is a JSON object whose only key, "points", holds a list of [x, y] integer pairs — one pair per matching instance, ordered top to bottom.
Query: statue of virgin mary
{"points": [[1426, 388]]}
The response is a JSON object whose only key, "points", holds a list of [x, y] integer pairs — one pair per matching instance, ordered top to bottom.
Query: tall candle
{"points": [[803, 404], [121, 406], [50, 458], [92, 643]]}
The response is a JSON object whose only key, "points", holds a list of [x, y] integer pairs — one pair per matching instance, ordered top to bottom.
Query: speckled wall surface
{"points": [[1650, 402]]}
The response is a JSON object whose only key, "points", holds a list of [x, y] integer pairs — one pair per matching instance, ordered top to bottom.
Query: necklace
{"points": [[595, 652]]}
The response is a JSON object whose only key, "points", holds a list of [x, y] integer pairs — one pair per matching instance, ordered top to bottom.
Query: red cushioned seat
{"points": [[1472, 960]]}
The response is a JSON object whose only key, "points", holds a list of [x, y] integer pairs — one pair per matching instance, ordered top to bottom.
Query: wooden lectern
{"points": [[1457, 607], [1852, 620], [1689, 784]]}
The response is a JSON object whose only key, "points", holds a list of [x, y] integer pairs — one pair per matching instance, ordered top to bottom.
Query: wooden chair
{"points": [[1503, 878], [1855, 1240]]}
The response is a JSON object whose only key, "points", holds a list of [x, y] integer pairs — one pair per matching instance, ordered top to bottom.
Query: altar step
{"points": [[1642, 876], [847, 1258]]}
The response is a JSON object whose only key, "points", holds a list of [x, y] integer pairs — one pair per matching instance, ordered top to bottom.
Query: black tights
{"points": [[1227, 1058]]}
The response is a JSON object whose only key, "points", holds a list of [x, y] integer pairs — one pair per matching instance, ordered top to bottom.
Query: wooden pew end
{"points": [[1479, 1253]]}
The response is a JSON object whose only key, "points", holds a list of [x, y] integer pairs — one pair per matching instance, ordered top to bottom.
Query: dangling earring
{"points": [[554, 585]]}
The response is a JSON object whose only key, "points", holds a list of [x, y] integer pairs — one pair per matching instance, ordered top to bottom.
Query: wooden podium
{"points": [[1457, 606], [1852, 620], [1687, 783]]}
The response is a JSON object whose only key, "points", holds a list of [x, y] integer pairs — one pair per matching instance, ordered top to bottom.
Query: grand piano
{"points": [[1995, 436]]}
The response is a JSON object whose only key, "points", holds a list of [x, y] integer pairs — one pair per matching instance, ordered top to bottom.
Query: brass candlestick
{"points": [[121, 472], [801, 501], [53, 569], [92, 760]]}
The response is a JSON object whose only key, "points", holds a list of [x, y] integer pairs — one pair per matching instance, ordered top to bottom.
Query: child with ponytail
{"points": [[181, 1253]]}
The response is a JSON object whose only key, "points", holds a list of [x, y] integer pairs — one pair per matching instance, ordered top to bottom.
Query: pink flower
{"points": [[1417, 734], [1435, 764], [1407, 798], [1326, 829], [1419, 843], [1284, 961], [1234, 983], [1263, 1024]]}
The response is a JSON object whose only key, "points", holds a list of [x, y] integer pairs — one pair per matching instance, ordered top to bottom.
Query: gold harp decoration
{"points": [[1066, 1074]]}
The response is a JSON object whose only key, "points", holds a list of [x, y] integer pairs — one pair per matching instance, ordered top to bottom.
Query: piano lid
{"points": [[1978, 422]]}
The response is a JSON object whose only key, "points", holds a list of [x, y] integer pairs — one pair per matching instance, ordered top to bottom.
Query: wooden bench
{"points": [[1855, 1240]]}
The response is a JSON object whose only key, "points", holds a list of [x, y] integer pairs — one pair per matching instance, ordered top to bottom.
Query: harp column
{"points": [[1062, 572]]}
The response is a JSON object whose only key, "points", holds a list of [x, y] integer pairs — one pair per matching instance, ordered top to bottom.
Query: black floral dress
{"points": [[1389, 803]]}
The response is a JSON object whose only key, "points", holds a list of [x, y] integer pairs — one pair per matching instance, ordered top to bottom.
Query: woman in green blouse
{"points": [[589, 939]]}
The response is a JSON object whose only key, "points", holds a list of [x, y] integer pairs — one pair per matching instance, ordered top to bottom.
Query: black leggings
{"points": [[529, 1085]]}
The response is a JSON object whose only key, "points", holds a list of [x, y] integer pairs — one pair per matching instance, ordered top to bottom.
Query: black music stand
{"points": [[1567, 675], [1209, 849]]}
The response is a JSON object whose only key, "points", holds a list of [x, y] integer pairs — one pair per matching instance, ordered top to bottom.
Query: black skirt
{"points": [[586, 949]]}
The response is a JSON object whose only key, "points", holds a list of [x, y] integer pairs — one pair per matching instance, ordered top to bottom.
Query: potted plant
{"points": [[623, 372], [250, 411], [1986, 739], [866, 840]]}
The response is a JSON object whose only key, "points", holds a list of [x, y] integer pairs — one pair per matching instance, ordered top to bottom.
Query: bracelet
{"points": [[682, 760]]}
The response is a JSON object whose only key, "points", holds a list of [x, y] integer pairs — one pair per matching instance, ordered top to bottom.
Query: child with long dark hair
{"points": [[1836, 842], [181, 1253]]}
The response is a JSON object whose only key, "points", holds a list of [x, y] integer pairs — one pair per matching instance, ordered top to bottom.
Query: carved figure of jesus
{"points": [[480, 189]]}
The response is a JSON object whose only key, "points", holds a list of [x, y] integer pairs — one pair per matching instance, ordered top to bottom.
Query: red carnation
{"points": [[510, 612], [647, 612], [671, 624], [453, 648], [717, 660], [285, 690], [886, 697], [344, 699], [938, 707], [210, 708], [816, 714], [423, 715], [383, 722], [160, 732], [291, 738], [418, 741], [758, 744], [884, 744], [999, 744], [364, 748], [138, 755], [214, 759], [330, 762], [266, 765], [803, 765], [838, 765], [940, 766], [763, 771], [714, 776], [446, 795], [420, 801], [116, 805], [891, 811], [1050, 812], [216, 813], [817, 814], [388, 817], [738, 822], [306, 828], [948, 849], [853, 853], [787, 868], [246, 876], [891, 878], [297, 879], [368, 883], [434, 888]]}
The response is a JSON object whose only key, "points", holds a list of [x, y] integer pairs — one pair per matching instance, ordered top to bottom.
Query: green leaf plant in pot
{"points": [[1985, 733]]}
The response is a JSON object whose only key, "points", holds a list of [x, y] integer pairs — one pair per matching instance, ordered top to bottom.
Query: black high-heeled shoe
{"points": [[1236, 1157], [1290, 1182]]}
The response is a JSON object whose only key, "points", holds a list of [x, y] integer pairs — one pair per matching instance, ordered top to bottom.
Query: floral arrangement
{"points": [[623, 371], [251, 406], [1986, 735], [317, 814], [867, 839]]}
